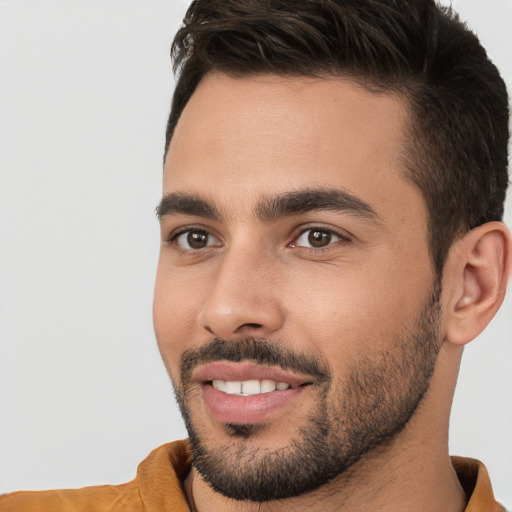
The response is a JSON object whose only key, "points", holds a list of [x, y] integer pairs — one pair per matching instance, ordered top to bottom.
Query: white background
{"points": [[85, 89]]}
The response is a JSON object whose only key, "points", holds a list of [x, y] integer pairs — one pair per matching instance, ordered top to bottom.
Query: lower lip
{"points": [[247, 409]]}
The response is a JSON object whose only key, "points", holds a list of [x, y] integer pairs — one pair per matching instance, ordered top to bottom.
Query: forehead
{"points": [[243, 138]]}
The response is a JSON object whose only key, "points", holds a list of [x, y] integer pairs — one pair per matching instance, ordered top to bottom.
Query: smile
{"points": [[249, 387], [245, 392]]}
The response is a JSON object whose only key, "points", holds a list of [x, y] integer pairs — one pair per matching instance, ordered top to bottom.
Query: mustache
{"points": [[256, 350]]}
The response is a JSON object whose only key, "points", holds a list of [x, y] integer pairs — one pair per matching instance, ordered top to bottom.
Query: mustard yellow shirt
{"points": [[158, 488]]}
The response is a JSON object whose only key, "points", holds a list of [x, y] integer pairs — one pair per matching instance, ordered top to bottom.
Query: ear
{"points": [[475, 280]]}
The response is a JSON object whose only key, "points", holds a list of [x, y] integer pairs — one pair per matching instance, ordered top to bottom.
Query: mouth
{"points": [[250, 387], [245, 393]]}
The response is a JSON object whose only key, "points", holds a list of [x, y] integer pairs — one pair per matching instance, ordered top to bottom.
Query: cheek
{"points": [[338, 298], [355, 311], [174, 316]]}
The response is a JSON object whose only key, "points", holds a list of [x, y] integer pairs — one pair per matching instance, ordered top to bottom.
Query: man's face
{"points": [[295, 306]]}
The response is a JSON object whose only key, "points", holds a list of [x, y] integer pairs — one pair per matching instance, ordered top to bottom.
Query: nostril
{"points": [[252, 326]]}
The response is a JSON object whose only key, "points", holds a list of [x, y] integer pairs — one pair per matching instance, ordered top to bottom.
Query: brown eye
{"points": [[316, 238], [319, 238], [194, 240], [197, 240]]}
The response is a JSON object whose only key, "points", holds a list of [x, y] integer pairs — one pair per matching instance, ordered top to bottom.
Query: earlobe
{"points": [[476, 275]]}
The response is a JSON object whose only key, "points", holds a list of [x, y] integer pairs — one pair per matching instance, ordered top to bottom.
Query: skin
{"points": [[243, 139]]}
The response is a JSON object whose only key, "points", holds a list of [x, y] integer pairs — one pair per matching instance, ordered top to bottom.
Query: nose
{"points": [[243, 299]]}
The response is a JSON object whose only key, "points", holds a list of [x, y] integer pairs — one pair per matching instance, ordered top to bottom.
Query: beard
{"points": [[350, 418]]}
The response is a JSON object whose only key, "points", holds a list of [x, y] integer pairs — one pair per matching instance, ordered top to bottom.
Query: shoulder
{"points": [[158, 479], [475, 481], [96, 498]]}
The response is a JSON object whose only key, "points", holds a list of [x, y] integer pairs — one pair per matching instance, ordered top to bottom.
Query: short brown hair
{"points": [[457, 149]]}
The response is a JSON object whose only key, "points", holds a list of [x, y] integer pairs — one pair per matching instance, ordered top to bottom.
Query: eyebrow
{"points": [[303, 201], [186, 204], [269, 209]]}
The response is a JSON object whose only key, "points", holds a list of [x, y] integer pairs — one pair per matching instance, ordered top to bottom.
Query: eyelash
{"points": [[342, 237], [171, 240]]}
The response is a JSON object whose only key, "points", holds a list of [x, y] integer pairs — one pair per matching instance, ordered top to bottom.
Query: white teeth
{"points": [[219, 384], [267, 386], [233, 387], [249, 387]]}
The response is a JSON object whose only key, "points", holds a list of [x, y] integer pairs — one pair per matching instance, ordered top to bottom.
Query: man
{"points": [[334, 181]]}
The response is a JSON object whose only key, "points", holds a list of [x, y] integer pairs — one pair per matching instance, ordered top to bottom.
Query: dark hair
{"points": [[457, 147]]}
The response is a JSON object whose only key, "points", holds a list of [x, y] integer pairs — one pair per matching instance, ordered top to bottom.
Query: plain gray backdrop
{"points": [[85, 89]]}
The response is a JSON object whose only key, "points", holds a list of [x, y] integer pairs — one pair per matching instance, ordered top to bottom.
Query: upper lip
{"points": [[229, 371]]}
